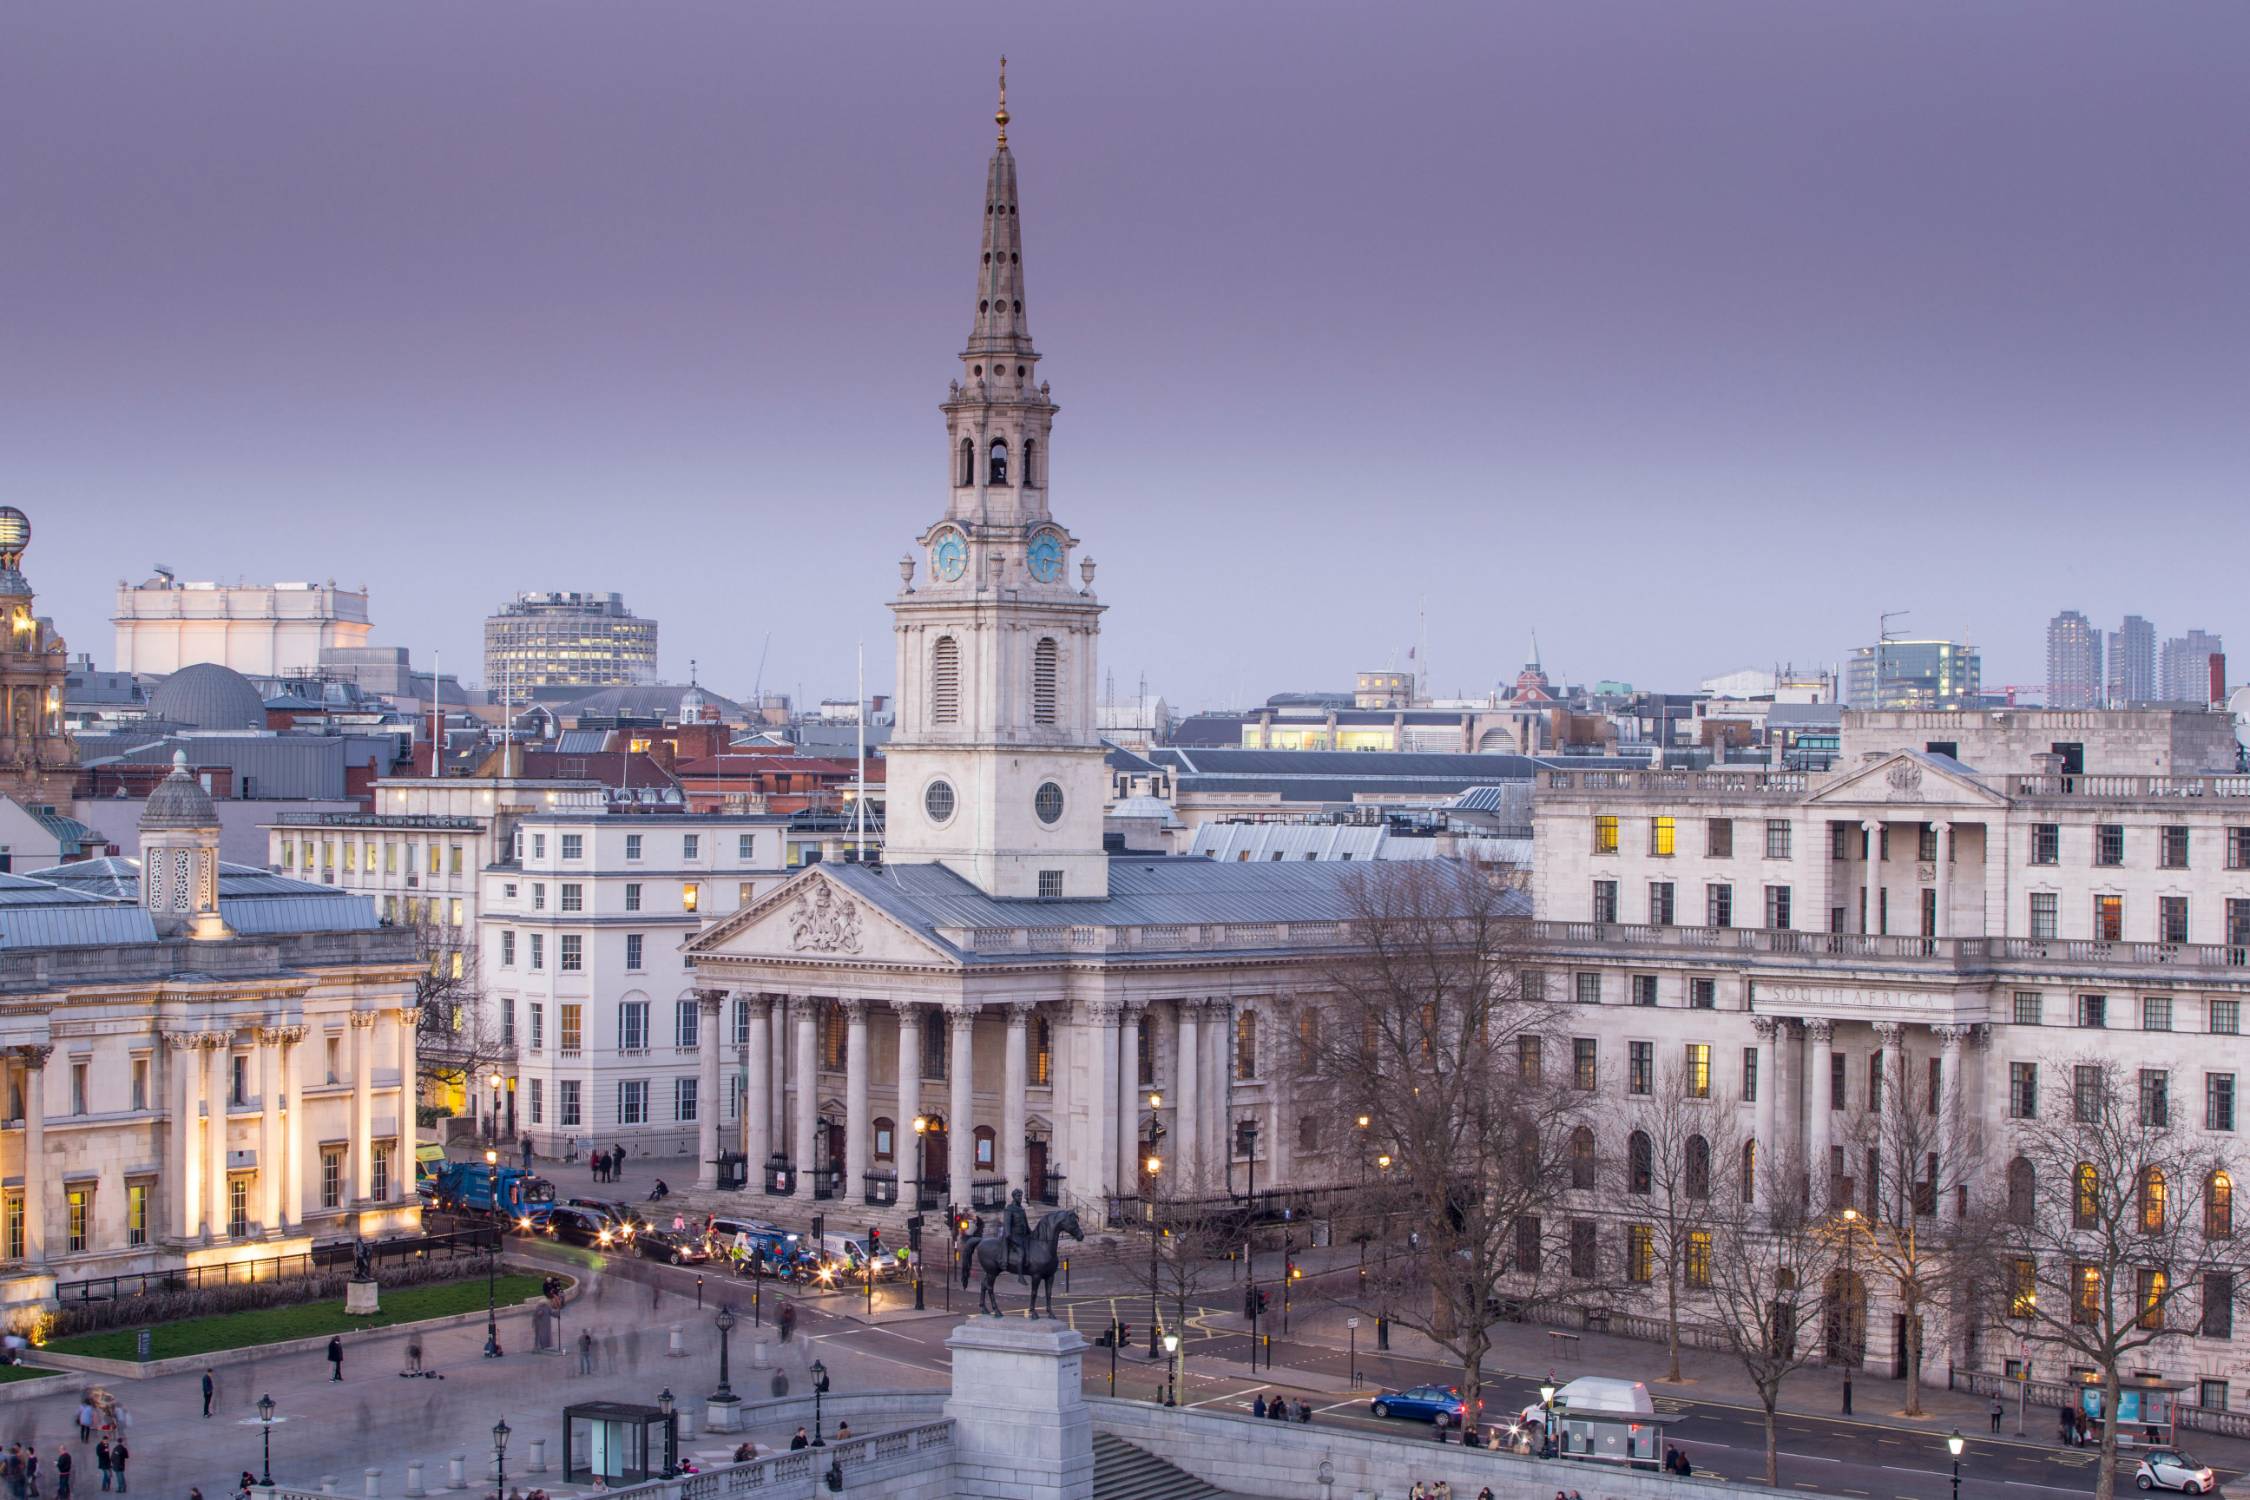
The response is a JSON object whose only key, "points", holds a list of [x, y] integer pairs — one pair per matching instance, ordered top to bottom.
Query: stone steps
{"points": [[1124, 1472]]}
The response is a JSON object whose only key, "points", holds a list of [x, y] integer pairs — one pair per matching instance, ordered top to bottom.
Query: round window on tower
{"points": [[938, 801], [1048, 803]]}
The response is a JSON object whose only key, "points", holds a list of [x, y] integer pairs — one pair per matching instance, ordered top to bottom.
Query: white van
{"points": [[848, 1253]]}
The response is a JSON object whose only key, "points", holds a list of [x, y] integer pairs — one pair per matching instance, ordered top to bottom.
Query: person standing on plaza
{"points": [[527, 1153], [617, 1164], [586, 1351], [335, 1357], [210, 1387], [85, 1419], [117, 1456], [104, 1461], [63, 1465]]}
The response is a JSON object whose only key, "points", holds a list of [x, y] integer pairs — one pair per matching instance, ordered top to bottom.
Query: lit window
{"points": [[1605, 834], [1663, 834], [1698, 1080]]}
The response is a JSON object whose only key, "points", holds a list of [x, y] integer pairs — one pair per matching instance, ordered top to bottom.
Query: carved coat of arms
{"points": [[1905, 779], [821, 922]]}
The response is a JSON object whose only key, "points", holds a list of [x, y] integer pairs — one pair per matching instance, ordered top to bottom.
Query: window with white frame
{"points": [[574, 846], [632, 846], [632, 952], [572, 953], [632, 1026], [686, 1026], [684, 1100], [632, 1101], [567, 1107]]}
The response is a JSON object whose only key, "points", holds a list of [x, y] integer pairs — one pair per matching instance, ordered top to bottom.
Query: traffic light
{"points": [[914, 1233], [819, 1234], [874, 1241], [1296, 1272], [1250, 1302], [1261, 1302], [1124, 1339], [1101, 1340]]}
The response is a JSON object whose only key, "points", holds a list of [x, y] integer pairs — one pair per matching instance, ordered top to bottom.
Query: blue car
{"points": [[1441, 1404]]}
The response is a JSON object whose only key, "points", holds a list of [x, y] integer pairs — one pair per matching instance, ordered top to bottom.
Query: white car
{"points": [[2170, 1469]]}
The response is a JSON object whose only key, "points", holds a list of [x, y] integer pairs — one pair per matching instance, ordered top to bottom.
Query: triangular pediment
{"points": [[1910, 778], [816, 917]]}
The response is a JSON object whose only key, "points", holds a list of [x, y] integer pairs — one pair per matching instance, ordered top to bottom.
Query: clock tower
{"points": [[994, 768]]}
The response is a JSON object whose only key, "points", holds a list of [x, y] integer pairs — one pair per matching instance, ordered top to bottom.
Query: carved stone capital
{"points": [[707, 1001], [854, 1010], [909, 1012], [1103, 1012], [1019, 1014], [408, 1015], [960, 1015], [361, 1020], [1767, 1027], [1819, 1029], [1887, 1034], [1951, 1037], [180, 1041], [214, 1041], [32, 1054]]}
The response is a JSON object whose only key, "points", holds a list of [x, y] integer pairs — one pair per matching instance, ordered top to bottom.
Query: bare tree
{"points": [[1435, 1039], [456, 1041], [1920, 1149], [1679, 1157], [2117, 1229], [1189, 1240], [1770, 1266]]}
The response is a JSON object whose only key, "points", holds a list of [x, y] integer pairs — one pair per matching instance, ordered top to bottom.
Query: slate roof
{"points": [[1146, 891], [253, 901]]}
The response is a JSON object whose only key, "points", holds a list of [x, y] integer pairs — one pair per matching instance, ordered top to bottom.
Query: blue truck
{"points": [[478, 1189]]}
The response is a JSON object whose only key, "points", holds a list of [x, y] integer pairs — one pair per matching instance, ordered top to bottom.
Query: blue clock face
{"points": [[949, 554], [1046, 557]]}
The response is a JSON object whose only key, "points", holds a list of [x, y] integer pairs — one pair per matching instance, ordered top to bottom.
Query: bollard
{"points": [[677, 1348], [758, 1349], [687, 1424], [538, 1456], [457, 1472], [373, 1478], [414, 1490]]}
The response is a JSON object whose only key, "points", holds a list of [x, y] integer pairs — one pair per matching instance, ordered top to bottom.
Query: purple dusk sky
{"points": [[1691, 335]]}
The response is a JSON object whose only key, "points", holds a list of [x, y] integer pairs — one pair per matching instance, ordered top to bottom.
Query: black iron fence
{"points": [[475, 1240]]}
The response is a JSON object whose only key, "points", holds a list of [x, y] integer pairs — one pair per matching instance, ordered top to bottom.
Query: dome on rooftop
{"points": [[208, 696], [179, 801]]}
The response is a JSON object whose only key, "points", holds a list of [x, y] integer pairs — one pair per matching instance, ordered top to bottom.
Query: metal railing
{"points": [[475, 1240]]}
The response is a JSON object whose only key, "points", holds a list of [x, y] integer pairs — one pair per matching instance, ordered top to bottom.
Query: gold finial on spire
{"points": [[1000, 117]]}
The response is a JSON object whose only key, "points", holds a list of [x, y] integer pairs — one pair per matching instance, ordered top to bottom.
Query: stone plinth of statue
{"points": [[359, 1298], [1021, 1427]]}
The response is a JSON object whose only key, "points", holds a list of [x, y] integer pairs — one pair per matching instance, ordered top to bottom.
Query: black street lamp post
{"points": [[921, 1131], [1149, 1168], [492, 1266], [1846, 1296], [1383, 1317], [724, 1322], [819, 1389], [666, 1404], [265, 1425], [500, 1431], [1954, 1444]]}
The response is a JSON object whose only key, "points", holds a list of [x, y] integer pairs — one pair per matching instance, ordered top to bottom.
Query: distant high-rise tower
{"points": [[567, 640], [2074, 662], [2132, 663], [2187, 666], [1914, 674]]}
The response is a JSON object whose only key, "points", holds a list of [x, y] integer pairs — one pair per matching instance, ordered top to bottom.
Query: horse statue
{"points": [[1042, 1258]]}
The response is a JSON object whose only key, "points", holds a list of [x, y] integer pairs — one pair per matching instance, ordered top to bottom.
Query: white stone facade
{"points": [[260, 630], [587, 912]]}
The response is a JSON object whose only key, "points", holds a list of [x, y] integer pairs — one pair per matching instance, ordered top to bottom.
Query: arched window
{"points": [[968, 462], [1030, 462], [996, 468], [1046, 660], [945, 681], [1246, 1046], [886, 1136], [985, 1140], [1582, 1158], [1640, 1163], [1698, 1168], [1749, 1171], [2023, 1190], [2153, 1190], [2086, 1205], [2218, 1207]]}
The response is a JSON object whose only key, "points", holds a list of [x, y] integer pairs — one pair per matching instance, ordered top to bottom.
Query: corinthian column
{"points": [[218, 1048], [1015, 1079], [181, 1082], [757, 1088], [808, 1094], [1129, 1096], [909, 1100], [363, 1105], [708, 1105], [1817, 1111], [857, 1125], [269, 1129], [297, 1129], [960, 1131], [1188, 1146], [1766, 1158], [36, 1167], [1951, 1172]]}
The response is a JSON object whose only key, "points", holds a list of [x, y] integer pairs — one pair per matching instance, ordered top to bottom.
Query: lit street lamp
{"points": [[921, 1132], [1150, 1168], [492, 1263], [1846, 1297], [1383, 1318], [724, 1322], [1172, 1369], [665, 1404], [1546, 1416], [265, 1424], [500, 1430], [1954, 1444]]}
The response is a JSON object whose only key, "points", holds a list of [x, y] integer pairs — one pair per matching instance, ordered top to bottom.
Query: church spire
{"points": [[1000, 329]]}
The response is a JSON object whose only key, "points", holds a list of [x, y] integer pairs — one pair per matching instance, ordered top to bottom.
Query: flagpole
{"points": [[437, 718], [859, 794]]}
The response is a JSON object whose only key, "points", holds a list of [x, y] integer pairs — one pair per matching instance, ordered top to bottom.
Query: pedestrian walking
{"points": [[570, 1150], [527, 1153], [617, 1164], [586, 1352], [335, 1358], [210, 1386], [1996, 1414], [85, 1420], [799, 1441], [117, 1456], [105, 1461], [63, 1466], [30, 1469]]}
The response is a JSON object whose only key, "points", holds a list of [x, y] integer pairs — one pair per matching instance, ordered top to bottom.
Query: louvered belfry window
{"points": [[1044, 669], [945, 681]]}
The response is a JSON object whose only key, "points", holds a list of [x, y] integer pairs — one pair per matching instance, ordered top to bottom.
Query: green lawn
{"points": [[275, 1325], [23, 1372]]}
